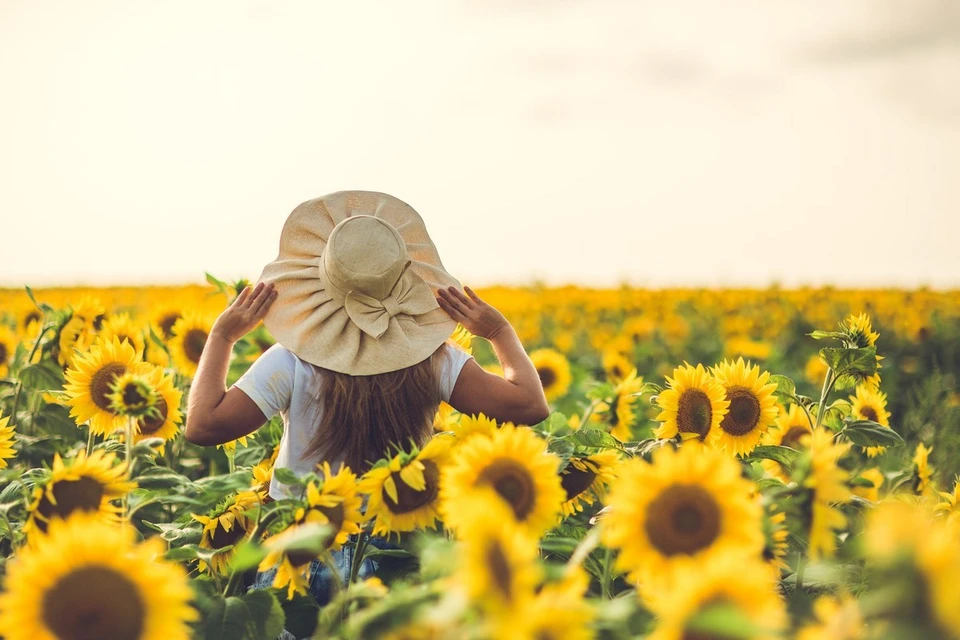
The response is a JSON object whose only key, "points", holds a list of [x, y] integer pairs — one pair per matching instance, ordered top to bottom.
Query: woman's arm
{"points": [[517, 396], [215, 415]]}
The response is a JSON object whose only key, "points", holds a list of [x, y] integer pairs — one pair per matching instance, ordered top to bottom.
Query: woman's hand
{"points": [[241, 317], [478, 317]]}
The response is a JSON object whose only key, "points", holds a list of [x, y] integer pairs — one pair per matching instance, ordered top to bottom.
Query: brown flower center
{"points": [[166, 324], [193, 343], [4, 354], [547, 376], [101, 382], [133, 397], [694, 413], [744, 413], [869, 413], [152, 423], [793, 436], [512, 481], [575, 481], [82, 494], [409, 499], [683, 519], [222, 538], [499, 566], [94, 602]]}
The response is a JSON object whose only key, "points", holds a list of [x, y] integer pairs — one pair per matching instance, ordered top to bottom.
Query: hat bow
{"points": [[372, 316]]}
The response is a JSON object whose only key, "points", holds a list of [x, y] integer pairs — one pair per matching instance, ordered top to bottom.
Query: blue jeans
{"points": [[320, 577]]}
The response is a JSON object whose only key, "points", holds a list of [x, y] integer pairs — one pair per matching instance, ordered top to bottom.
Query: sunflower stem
{"points": [[827, 386], [16, 395], [588, 412], [128, 436], [90, 441], [362, 538], [800, 567], [605, 585]]}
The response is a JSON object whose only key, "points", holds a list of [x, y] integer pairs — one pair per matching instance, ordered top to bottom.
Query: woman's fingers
{"points": [[473, 295], [242, 297], [464, 300], [260, 302], [454, 302], [449, 308]]}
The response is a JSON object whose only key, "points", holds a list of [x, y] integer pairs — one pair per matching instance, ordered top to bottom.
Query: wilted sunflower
{"points": [[122, 327], [190, 334], [8, 346], [554, 372], [88, 383], [870, 404], [693, 405], [752, 406], [618, 413], [789, 429], [6, 442], [514, 462], [585, 479], [827, 483], [84, 484], [404, 491], [335, 502], [680, 508], [225, 526], [905, 543], [498, 560], [88, 579], [745, 586], [837, 618]]}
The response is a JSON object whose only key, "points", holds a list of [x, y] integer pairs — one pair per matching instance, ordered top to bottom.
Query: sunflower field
{"points": [[718, 464]]}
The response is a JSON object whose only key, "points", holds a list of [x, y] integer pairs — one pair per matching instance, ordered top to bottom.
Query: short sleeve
{"points": [[451, 364], [269, 380]]}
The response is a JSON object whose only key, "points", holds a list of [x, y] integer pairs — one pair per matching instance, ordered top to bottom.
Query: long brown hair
{"points": [[364, 415]]}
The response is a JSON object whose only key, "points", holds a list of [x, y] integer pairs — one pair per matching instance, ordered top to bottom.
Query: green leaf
{"points": [[220, 285], [827, 335], [860, 362], [45, 376], [650, 387], [786, 389], [601, 391], [555, 424], [867, 433], [594, 438], [561, 447], [784, 455], [286, 476], [161, 478], [860, 481], [177, 533], [307, 539], [559, 544], [193, 552], [373, 552], [247, 555], [266, 614], [301, 615], [226, 619], [723, 621]]}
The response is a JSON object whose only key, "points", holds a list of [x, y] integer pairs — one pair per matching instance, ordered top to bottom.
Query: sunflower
{"points": [[165, 317], [80, 329], [124, 329], [859, 330], [190, 334], [463, 339], [8, 347], [616, 365], [554, 372], [88, 383], [133, 393], [871, 404], [693, 405], [752, 406], [618, 412], [446, 418], [164, 421], [479, 424], [789, 429], [6, 442], [514, 462], [921, 463], [263, 472], [875, 478], [585, 479], [827, 483], [87, 484], [403, 492], [335, 502], [951, 503], [680, 508], [225, 526], [775, 540], [905, 542], [498, 560], [292, 568], [90, 579], [724, 581], [558, 612], [837, 618]]}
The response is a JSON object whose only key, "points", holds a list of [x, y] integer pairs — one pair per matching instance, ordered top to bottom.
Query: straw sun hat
{"points": [[355, 279]]}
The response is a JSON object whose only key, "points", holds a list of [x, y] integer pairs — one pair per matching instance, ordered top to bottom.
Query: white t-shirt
{"points": [[280, 382]]}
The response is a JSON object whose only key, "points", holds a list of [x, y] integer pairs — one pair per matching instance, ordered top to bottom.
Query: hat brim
{"points": [[307, 320]]}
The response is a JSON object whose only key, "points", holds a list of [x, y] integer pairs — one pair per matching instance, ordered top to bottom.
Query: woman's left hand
{"points": [[241, 317]]}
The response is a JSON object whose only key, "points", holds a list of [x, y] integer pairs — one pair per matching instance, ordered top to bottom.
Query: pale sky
{"points": [[675, 142]]}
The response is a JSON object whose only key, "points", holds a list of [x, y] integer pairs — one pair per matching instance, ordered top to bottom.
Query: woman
{"points": [[362, 309]]}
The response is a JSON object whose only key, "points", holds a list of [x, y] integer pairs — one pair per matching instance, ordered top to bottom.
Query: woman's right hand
{"points": [[241, 317], [477, 317]]}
